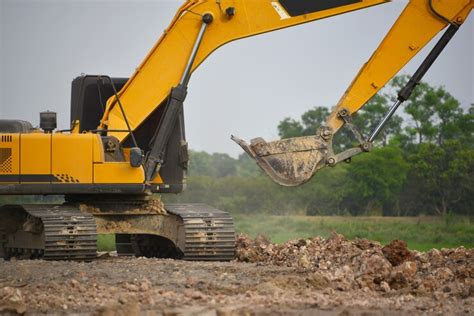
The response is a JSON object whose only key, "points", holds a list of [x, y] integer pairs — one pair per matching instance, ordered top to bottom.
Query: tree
{"points": [[420, 109], [448, 110], [314, 119], [310, 121], [465, 125], [289, 128], [200, 164], [215, 165], [224, 165], [246, 166], [444, 176], [376, 179], [323, 194]]}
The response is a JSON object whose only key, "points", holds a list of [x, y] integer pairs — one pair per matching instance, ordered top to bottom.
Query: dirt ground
{"points": [[302, 277]]}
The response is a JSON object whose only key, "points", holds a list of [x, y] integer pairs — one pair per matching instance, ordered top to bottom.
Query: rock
{"points": [[301, 243], [365, 244], [397, 252], [458, 254], [435, 257], [304, 262], [375, 266], [408, 268], [401, 275], [443, 275], [318, 280], [397, 280], [366, 283], [430, 283], [145, 285], [384, 286], [130, 287], [268, 288], [195, 295], [439, 296], [12, 301], [128, 309], [224, 312]]}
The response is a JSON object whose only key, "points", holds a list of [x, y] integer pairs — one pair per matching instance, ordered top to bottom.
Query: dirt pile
{"points": [[362, 264], [304, 277]]}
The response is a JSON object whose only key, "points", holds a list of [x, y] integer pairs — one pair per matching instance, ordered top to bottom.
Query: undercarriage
{"points": [[147, 228]]}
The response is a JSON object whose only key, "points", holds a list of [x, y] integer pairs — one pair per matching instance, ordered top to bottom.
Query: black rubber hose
{"points": [[439, 15]]}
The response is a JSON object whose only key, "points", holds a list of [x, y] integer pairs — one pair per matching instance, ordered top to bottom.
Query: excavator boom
{"points": [[201, 26], [198, 28], [400, 45], [163, 68], [294, 161]]}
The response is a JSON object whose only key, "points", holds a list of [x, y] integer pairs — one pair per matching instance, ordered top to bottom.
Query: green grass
{"points": [[421, 233], [106, 242]]}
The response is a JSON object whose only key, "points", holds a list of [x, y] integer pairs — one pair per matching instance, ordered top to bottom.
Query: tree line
{"points": [[423, 163]]}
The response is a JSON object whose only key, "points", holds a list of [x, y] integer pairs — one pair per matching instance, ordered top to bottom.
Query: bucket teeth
{"points": [[288, 162]]}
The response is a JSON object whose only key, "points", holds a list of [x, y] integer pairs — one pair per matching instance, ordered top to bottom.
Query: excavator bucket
{"points": [[289, 162]]}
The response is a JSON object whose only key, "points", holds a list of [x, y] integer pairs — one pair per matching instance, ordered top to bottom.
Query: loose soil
{"points": [[302, 277]]}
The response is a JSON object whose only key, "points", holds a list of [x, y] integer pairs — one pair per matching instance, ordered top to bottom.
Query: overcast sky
{"points": [[245, 88]]}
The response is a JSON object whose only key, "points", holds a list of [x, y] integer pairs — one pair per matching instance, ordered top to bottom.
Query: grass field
{"points": [[421, 233]]}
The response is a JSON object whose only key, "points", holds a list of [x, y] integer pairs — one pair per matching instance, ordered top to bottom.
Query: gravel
{"points": [[332, 276]]}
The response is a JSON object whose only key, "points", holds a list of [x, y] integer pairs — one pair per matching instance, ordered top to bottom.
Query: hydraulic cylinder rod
{"points": [[206, 19], [407, 90], [175, 105]]}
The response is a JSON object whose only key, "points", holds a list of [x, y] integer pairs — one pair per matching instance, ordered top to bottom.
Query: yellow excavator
{"points": [[126, 142]]}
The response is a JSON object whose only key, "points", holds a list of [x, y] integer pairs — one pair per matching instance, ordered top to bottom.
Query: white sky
{"points": [[245, 88]]}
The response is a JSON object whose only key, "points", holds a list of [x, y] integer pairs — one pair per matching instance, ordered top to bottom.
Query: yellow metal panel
{"points": [[98, 149], [126, 153], [35, 154], [72, 157], [9, 158], [117, 173], [157, 179]]}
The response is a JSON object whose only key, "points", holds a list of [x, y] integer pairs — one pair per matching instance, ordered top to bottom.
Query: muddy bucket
{"points": [[289, 162]]}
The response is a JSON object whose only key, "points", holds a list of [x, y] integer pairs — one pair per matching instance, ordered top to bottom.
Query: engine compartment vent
{"points": [[7, 138], [5, 159]]}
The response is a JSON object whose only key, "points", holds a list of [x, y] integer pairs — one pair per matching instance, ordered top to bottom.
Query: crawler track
{"points": [[209, 232], [62, 233]]}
